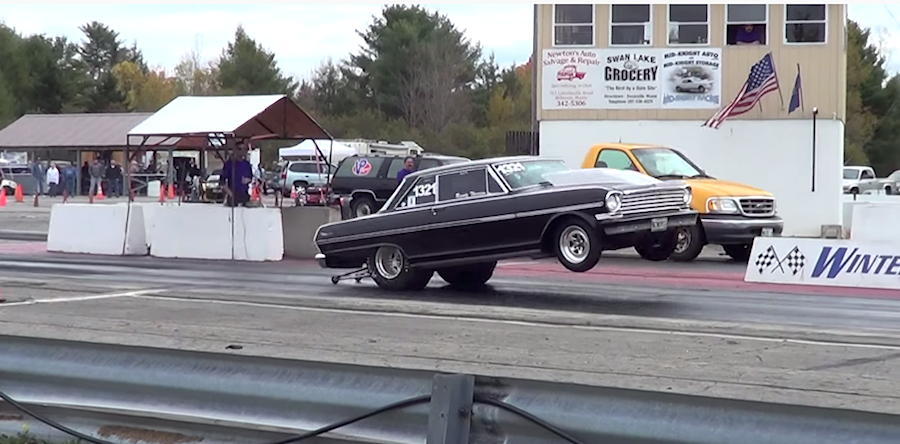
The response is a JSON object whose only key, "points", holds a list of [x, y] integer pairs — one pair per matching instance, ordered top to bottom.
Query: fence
{"points": [[519, 143], [126, 394]]}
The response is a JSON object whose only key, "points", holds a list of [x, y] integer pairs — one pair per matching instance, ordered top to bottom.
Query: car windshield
{"points": [[667, 163], [526, 173], [851, 173]]}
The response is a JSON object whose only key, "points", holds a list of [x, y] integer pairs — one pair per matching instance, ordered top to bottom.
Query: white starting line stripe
{"points": [[84, 298]]}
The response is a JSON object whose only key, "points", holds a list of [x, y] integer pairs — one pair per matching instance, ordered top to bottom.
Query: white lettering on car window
{"points": [[509, 168], [424, 190]]}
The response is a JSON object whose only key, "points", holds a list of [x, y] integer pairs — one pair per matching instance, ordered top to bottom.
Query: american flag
{"points": [[762, 80]]}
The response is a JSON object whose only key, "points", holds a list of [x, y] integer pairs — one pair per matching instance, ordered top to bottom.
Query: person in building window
{"points": [[748, 35], [409, 166]]}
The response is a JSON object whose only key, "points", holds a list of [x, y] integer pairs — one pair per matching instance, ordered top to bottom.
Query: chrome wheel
{"points": [[683, 241], [574, 244], [389, 262]]}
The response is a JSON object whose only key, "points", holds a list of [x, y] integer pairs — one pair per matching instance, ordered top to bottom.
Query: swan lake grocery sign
{"points": [[595, 79]]}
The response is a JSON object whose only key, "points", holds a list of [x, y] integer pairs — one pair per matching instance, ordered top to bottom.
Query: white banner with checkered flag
{"points": [[827, 262]]}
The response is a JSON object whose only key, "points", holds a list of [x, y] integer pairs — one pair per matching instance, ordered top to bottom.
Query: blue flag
{"points": [[797, 94]]}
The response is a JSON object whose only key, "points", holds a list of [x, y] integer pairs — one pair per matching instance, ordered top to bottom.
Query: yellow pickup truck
{"points": [[731, 214]]}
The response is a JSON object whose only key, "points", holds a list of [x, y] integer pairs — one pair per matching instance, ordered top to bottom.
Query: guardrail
{"points": [[125, 394]]}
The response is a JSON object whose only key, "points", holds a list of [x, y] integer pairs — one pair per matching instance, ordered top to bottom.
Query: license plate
{"points": [[659, 224], [767, 232]]}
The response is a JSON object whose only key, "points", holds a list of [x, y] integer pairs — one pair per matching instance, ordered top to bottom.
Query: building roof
{"points": [[274, 116], [66, 131]]}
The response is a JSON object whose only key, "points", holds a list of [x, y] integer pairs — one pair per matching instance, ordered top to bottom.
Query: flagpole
{"points": [[777, 83], [814, 113]]}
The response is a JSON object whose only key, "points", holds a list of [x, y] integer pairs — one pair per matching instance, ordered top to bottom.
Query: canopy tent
{"points": [[211, 122], [308, 148]]}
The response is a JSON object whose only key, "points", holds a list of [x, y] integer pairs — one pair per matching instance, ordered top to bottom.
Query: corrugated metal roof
{"points": [[244, 116], [101, 131]]}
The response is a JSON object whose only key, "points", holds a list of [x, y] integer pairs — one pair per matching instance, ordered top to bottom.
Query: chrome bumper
{"points": [[320, 258]]}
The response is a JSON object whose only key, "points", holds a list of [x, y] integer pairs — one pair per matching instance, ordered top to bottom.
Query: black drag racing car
{"points": [[460, 219]]}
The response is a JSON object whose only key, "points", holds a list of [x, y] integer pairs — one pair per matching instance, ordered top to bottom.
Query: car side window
{"points": [[615, 159], [425, 164], [396, 166], [366, 167], [866, 174], [463, 184], [423, 192]]}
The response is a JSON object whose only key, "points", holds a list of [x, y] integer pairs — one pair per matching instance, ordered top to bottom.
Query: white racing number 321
{"points": [[509, 168]]}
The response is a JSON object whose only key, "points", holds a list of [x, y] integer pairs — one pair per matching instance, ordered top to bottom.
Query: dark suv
{"points": [[369, 180]]}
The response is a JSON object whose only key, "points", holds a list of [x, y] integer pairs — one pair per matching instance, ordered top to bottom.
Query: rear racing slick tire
{"points": [[576, 245], [658, 246], [391, 271], [468, 277]]}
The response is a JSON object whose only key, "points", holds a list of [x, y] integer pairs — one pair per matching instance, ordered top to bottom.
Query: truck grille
{"points": [[652, 201], [758, 206]]}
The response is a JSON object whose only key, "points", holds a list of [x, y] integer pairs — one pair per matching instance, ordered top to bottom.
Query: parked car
{"points": [[303, 173], [859, 179], [366, 181], [211, 189], [731, 214], [460, 219]]}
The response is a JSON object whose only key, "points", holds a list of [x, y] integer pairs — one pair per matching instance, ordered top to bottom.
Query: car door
{"points": [[467, 210]]}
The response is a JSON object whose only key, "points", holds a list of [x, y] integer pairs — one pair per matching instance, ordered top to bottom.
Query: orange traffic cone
{"points": [[100, 191], [171, 191], [20, 193], [162, 193], [294, 193], [254, 195], [3, 197]]}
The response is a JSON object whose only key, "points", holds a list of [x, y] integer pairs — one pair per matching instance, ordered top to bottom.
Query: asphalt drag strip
{"points": [[827, 374]]}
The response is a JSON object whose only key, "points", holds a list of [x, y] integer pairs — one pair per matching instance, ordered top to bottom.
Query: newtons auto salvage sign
{"points": [[837, 263]]}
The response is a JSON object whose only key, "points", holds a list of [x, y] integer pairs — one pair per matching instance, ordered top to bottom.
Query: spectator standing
{"points": [[96, 171], [37, 172], [237, 173], [70, 177], [114, 179], [53, 180]]}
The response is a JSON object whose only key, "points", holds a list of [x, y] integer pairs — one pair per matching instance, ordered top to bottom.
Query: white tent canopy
{"points": [[307, 149]]}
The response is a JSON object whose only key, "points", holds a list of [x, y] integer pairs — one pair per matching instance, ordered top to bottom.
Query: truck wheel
{"points": [[362, 206], [689, 243], [577, 245], [657, 247], [738, 252], [390, 270], [468, 277]]}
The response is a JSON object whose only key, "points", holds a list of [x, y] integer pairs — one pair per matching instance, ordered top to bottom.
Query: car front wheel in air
{"points": [[577, 245], [390, 270], [468, 277]]}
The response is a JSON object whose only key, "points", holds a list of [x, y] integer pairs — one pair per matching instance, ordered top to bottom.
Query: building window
{"points": [[805, 23], [688, 24], [746, 24], [573, 25], [630, 25]]}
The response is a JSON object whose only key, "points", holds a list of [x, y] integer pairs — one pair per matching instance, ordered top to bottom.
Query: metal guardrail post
{"points": [[451, 409]]}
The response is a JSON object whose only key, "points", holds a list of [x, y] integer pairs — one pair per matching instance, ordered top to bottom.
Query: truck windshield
{"points": [[666, 162], [526, 173]]}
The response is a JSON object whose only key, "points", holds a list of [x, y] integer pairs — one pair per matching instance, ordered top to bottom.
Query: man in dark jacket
{"points": [[237, 173], [114, 179]]}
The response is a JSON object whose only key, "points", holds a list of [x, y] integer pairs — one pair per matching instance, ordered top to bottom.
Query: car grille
{"points": [[652, 201], [759, 206]]}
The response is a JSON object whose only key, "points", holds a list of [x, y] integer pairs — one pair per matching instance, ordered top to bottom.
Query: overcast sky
{"points": [[303, 35]]}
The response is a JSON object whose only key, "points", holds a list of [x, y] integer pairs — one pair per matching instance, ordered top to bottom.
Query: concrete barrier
{"points": [[876, 222], [300, 225], [97, 229], [213, 232]]}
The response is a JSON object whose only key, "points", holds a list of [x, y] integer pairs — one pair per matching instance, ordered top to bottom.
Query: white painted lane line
{"points": [[84, 298], [783, 340]]}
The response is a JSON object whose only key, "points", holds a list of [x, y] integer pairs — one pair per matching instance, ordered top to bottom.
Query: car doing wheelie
{"points": [[459, 220]]}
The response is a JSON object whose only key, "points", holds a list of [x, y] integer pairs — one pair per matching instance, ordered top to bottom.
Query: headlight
{"points": [[688, 196], [613, 202], [722, 205]]}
